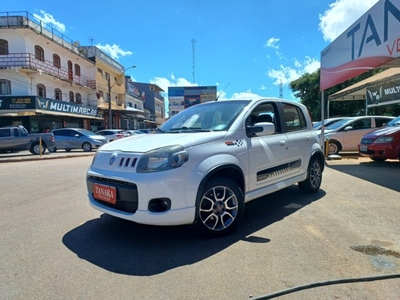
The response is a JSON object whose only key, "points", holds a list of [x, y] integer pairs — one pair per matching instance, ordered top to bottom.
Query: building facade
{"points": [[44, 80], [49, 80], [181, 97], [154, 104]]}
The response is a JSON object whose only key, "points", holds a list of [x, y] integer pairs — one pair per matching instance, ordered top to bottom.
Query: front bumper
{"points": [[383, 151], [135, 191]]}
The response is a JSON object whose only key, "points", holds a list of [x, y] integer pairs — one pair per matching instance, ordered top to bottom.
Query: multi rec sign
{"points": [[372, 41]]}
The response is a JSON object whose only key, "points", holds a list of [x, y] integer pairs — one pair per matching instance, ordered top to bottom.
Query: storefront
{"points": [[37, 113]]}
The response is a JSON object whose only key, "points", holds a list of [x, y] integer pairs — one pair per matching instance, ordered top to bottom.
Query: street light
{"points": [[109, 124]]}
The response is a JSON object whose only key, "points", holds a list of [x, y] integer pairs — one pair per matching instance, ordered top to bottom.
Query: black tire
{"points": [[86, 147], [334, 147], [35, 149], [52, 149], [378, 159], [314, 177], [219, 208]]}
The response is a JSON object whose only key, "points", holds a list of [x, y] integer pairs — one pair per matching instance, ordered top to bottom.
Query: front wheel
{"points": [[87, 147], [334, 147], [52, 149], [314, 177], [219, 208]]}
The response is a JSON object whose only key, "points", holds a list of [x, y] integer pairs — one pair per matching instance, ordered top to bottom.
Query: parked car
{"points": [[327, 122], [147, 130], [134, 132], [112, 134], [344, 135], [17, 138], [76, 138], [383, 143], [203, 164]]}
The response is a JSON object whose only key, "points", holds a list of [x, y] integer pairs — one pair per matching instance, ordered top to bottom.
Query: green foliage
{"points": [[306, 88]]}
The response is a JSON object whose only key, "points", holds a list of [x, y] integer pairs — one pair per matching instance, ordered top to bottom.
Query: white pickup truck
{"points": [[17, 138], [201, 166]]}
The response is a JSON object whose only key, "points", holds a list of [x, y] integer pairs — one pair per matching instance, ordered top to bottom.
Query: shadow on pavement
{"points": [[385, 174], [128, 248]]}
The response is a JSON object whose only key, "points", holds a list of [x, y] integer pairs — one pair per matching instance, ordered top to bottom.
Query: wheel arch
{"points": [[320, 156], [230, 171]]}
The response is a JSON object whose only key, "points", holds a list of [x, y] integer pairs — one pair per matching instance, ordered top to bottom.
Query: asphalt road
{"points": [[55, 246]]}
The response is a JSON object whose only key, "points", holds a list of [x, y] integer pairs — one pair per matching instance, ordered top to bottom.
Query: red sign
{"points": [[105, 193]]}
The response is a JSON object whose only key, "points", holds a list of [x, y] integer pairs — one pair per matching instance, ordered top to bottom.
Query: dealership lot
{"points": [[55, 246]]}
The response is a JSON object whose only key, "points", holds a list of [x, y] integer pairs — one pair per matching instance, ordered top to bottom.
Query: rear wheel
{"points": [[87, 147], [37, 149], [52, 149], [314, 177], [219, 208]]}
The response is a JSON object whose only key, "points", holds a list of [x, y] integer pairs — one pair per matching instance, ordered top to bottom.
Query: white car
{"points": [[112, 134], [345, 134], [202, 165]]}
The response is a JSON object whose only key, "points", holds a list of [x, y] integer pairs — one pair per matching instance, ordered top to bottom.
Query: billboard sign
{"points": [[373, 40], [384, 94]]}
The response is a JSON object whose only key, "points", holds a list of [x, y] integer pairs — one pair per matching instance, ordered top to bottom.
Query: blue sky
{"points": [[245, 48]]}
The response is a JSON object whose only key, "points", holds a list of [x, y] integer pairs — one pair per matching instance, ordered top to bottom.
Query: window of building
{"points": [[3, 47], [39, 53], [56, 61], [77, 70], [70, 71], [100, 71], [107, 76], [5, 87], [41, 90], [57, 94], [101, 94], [71, 97], [78, 98]]}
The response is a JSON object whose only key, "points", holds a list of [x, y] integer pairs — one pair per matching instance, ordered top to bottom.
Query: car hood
{"points": [[381, 132], [146, 142]]}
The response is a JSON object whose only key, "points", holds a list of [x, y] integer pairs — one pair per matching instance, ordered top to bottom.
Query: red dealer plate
{"points": [[105, 193]]}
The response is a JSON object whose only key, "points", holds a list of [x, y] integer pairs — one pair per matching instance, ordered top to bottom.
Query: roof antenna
{"points": [[222, 91]]}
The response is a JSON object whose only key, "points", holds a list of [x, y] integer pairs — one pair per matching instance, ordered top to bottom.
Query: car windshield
{"points": [[211, 116], [394, 122], [338, 124]]}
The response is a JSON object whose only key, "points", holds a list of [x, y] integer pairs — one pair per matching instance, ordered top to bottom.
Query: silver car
{"points": [[76, 138]]}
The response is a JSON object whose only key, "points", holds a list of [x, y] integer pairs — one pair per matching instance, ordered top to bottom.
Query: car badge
{"points": [[112, 159]]}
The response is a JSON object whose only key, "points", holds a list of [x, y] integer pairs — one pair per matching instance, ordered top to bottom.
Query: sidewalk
{"points": [[27, 156]]}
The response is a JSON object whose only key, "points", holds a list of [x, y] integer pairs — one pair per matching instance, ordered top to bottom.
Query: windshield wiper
{"points": [[186, 129]]}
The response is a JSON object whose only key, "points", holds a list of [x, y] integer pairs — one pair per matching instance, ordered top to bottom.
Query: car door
{"points": [[351, 137], [60, 138], [74, 138], [6, 141], [268, 155]]}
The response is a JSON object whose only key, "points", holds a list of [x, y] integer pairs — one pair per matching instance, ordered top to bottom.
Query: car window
{"points": [[265, 112], [294, 118], [379, 122], [361, 124], [4, 132], [16, 132]]}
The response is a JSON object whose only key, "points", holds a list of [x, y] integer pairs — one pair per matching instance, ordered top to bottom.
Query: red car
{"points": [[383, 143]]}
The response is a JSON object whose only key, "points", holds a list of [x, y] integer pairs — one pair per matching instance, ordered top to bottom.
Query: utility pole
{"points": [[193, 65], [109, 123]]}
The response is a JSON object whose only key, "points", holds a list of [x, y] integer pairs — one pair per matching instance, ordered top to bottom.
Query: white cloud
{"points": [[341, 15], [48, 19], [272, 43], [113, 50], [286, 74], [164, 82], [262, 87], [239, 96]]}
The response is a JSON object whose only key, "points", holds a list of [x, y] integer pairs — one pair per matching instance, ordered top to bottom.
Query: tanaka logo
{"points": [[375, 95], [43, 104]]}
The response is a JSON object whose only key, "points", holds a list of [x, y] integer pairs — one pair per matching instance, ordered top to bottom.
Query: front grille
{"points": [[127, 162], [127, 194]]}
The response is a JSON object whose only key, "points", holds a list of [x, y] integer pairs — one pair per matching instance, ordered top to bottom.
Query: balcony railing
{"points": [[23, 19], [28, 61]]}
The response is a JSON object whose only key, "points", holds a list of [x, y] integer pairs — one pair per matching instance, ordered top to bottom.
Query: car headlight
{"points": [[383, 139], [162, 159]]}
